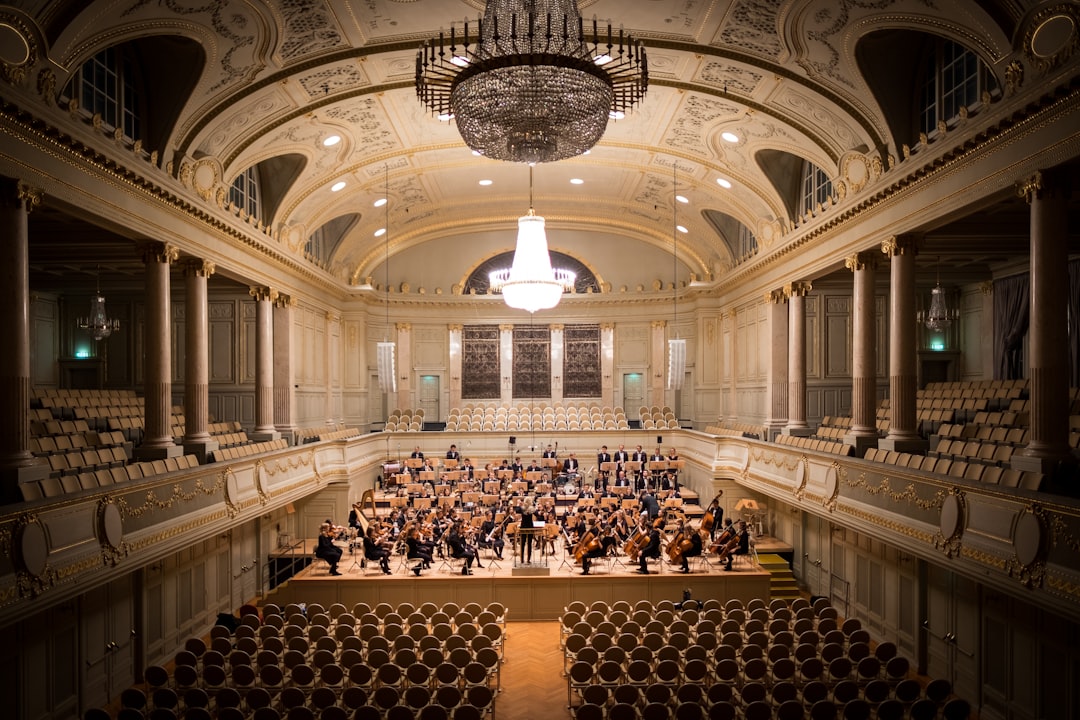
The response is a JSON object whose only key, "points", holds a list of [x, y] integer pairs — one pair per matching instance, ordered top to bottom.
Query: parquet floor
{"points": [[533, 687]]}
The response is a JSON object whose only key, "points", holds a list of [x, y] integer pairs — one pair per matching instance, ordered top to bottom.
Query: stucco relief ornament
{"points": [[802, 472], [832, 487], [232, 492], [951, 523], [111, 532], [1030, 546], [31, 551]]}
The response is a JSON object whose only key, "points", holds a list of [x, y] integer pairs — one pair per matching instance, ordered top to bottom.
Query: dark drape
{"points": [[1012, 302], [1074, 323]]}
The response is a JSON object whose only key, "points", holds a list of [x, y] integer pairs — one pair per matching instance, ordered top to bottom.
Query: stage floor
{"points": [[532, 592]]}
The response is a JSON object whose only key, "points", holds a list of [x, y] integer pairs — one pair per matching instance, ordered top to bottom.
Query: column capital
{"points": [[1045, 185], [28, 196], [899, 245], [159, 252], [861, 261], [197, 267], [986, 287], [799, 288], [261, 293], [775, 297], [284, 301], [333, 316], [658, 324], [403, 326], [607, 326], [455, 327], [506, 327], [555, 327]]}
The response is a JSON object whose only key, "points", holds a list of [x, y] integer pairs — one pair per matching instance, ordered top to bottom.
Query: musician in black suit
{"points": [[549, 452], [452, 453], [416, 454], [621, 455], [640, 456], [602, 457], [570, 465], [517, 467], [467, 470], [528, 514], [491, 535], [741, 545], [326, 549], [460, 549], [417, 550], [594, 550], [652, 550]]}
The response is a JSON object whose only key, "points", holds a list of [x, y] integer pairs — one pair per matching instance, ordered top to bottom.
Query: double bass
{"points": [[709, 519]]}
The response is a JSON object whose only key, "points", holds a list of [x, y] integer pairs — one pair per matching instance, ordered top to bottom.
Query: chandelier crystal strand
{"points": [[531, 82], [531, 283], [939, 316], [98, 323]]}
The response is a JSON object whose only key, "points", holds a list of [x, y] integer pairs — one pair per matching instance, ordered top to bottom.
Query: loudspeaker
{"points": [[659, 439], [513, 440]]}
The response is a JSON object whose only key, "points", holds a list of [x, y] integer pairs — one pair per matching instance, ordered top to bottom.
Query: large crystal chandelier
{"points": [[530, 83], [531, 283], [939, 316], [97, 323]]}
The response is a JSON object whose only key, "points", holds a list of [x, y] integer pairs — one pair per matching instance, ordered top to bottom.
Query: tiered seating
{"points": [[568, 417], [657, 418], [405, 421], [738, 429], [326, 432], [813, 443], [246, 449], [992, 474], [86, 479], [304, 661], [726, 661]]}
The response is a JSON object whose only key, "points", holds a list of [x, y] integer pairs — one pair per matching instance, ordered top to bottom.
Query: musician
{"points": [[549, 452], [452, 453], [416, 454], [621, 455], [602, 457], [642, 457], [428, 465], [570, 465], [534, 466], [517, 467], [467, 470], [673, 474], [621, 480], [649, 505], [528, 511], [717, 514], [354, 516], [337, 531], [491, 535], [695, 546], [739, 546], [326, 549], [417, 549], [460, 549], [593, 549], [374, 550], [652, 550]]}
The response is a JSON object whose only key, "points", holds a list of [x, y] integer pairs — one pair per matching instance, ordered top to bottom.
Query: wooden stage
{"points": [[530, 592]]}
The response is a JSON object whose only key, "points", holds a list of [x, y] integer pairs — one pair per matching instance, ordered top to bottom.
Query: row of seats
{"points": [[738, 429], [326, 432], [812, 443], [49, 444], [237, 452], [976, 471], [55, 486], [303, 662]]}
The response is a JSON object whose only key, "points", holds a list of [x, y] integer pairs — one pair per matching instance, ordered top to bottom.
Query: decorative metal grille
{"points": [[581, 361], [480, 362], [532, 362]]}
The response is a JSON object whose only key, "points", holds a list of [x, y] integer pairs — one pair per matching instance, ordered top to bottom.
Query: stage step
{"points": [[782, 583]]}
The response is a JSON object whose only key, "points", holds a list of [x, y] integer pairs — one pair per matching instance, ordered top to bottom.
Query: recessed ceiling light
{"points": [[730, 136], [332, 140], [577, 181], [485, 183], [724, 183], [339, 185], [682, 198], [380, 202], [681, 229], [380, 232]]}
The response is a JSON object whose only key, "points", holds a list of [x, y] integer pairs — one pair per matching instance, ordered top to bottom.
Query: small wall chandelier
{"points": [[529, 83], [531, 283], [940, 316], [97, 323]]}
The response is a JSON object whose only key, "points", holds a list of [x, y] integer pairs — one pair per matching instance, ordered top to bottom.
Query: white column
{"points": [[796, 295], [558, 345], [506, 363], [658, 363], [264, 364], [455, 364], [607, 364], [404, 366], [284, 383], [776, 383], [731, 412], [157, 428], [863, 432], [197, 439]]}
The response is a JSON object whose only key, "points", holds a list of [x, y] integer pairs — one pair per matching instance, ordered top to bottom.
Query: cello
{"points": [[588, 543], [636, 544], [679, 544]]}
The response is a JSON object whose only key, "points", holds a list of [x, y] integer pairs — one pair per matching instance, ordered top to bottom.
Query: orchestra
{"points": [[452, 509]]}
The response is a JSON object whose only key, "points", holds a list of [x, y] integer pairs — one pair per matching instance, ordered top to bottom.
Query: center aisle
{"points": [[533, 687]]}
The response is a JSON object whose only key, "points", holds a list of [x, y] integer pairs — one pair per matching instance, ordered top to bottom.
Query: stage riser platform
{"points": [[528, 598]]}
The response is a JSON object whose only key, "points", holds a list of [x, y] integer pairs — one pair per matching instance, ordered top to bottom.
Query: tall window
{"points": [[954, 78], [106, 85], [815, 188], [244, 192], [747, 242], [314, 247]]}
